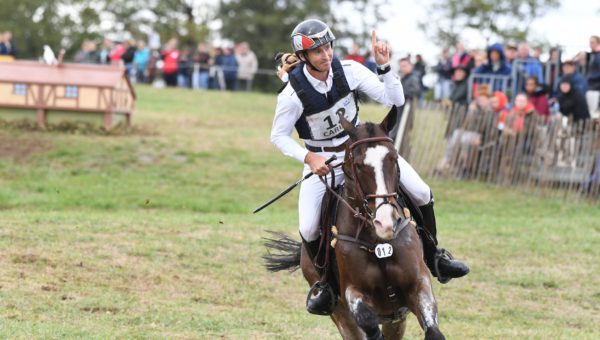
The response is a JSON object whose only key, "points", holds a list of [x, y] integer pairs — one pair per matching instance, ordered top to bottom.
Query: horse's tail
{"points": [[286, 253]]}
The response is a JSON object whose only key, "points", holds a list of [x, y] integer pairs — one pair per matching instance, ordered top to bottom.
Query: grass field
{"points": [[149, 234]]}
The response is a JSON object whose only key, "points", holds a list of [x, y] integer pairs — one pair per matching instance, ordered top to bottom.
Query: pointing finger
{"points": [[373, 38]]}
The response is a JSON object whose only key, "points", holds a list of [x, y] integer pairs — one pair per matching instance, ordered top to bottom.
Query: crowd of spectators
{"points": [[202, 66], [568, 86]]}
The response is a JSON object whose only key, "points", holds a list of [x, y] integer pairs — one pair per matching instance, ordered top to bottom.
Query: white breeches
{"points": [[312, 191]]}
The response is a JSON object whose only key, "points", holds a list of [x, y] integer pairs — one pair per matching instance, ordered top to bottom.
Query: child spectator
{"points": [[536, 95], [498, 104], [522, 111]]}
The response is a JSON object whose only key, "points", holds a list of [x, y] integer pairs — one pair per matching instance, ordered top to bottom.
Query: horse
{"points": [[381, 271]]}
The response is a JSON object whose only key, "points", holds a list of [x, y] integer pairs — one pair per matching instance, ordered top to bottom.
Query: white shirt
{"points": [[289, 107]]}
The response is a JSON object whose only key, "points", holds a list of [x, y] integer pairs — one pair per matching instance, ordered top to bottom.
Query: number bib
{"points": [[326, 124], [384, 250]]}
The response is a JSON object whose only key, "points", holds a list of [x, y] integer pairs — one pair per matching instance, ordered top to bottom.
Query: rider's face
{"points": [[321, 57]]}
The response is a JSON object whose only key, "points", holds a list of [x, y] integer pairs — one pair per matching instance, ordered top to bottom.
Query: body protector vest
{"points": [[320, 119]]}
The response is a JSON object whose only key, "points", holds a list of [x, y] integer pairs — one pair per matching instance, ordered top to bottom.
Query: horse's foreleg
{"points": [[422, 304], [365, 316]]}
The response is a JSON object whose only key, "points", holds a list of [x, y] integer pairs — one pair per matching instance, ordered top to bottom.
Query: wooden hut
{"points": [[101, 93]]}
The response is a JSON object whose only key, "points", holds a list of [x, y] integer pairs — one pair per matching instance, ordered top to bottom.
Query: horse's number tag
{"points": [[384, 250]]}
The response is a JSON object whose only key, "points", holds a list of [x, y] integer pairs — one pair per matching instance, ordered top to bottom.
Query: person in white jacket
{"points": [[247, 66], [320, 88]]}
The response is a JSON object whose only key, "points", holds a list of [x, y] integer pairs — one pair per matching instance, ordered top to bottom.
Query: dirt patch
{"points": [[21, 149]]}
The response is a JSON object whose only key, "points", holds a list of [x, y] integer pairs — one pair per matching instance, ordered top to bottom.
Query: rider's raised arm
{"points": [[287, 112]]}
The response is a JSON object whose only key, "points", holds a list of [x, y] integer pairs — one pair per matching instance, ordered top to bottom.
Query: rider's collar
{"points": [[318, 84]]}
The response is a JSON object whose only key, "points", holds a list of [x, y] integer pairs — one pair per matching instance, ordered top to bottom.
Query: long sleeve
{"points": [[287, 113]]}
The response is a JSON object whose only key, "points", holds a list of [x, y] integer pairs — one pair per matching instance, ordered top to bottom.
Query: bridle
{"points": [[367, 197], [363, 212]]}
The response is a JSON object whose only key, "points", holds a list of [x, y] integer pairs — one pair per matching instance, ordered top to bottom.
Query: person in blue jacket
{"points": [[496, 65]]}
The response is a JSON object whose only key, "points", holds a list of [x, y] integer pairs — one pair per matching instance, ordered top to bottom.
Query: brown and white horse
{"points": [[382, 274]]}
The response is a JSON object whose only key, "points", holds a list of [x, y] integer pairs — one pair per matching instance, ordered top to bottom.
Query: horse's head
{"points": [[372, 171]]}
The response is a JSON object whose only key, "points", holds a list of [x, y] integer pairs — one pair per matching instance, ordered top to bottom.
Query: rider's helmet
{"points": [[310, 34]]}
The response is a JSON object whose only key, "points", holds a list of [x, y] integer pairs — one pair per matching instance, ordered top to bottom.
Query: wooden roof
{"points": [[32, 72]]}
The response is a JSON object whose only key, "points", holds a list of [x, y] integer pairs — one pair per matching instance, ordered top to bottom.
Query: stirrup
{"points": [[440, 254], [323, 292]]}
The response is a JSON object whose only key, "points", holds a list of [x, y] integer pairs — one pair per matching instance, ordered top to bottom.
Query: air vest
{"points": [[320, 118]]}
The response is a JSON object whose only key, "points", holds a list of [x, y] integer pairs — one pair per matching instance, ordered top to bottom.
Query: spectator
{"points": [[7, 44], [107, 46], [87, 54], [116, 54], [355, 54], [511, 54], [128, 55], [170, 57], [461, 57], [479, 58], [141, 59], [592, 61], [553, 64], [229, 66], [247, 66], [496, 66], [527, 66], [184, 68], [420, 68], [569, 68], [201, 76], [216, 79], [409, 79], [443, 86], [460, 90], [537, 96], [481, 102], [498, 103], [572, 103], [521, 113], [471, 133]]}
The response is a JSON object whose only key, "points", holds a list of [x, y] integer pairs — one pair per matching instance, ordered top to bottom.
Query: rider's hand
{"points": [[381, 51], [317, 164]]}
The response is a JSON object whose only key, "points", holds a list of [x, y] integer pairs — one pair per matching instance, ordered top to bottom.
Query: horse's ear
{"points": [[389, 121], [348, 127]]}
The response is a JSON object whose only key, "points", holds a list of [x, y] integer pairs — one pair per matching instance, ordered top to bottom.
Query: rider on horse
{"points": [[320, 89]]}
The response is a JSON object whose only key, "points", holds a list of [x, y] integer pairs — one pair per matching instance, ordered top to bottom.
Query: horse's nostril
{"points": [[377, 223]]}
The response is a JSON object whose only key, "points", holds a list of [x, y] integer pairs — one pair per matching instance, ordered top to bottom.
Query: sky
{"points": [[569, 26]]}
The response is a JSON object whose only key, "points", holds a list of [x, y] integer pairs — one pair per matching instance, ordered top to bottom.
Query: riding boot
{"points": [[440, 262], [322, 298]]}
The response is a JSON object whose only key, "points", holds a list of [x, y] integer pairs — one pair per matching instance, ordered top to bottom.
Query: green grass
{"points": [[149, 235]]}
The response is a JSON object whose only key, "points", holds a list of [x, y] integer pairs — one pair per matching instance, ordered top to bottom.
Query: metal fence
{"points": [[555, 157]]}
